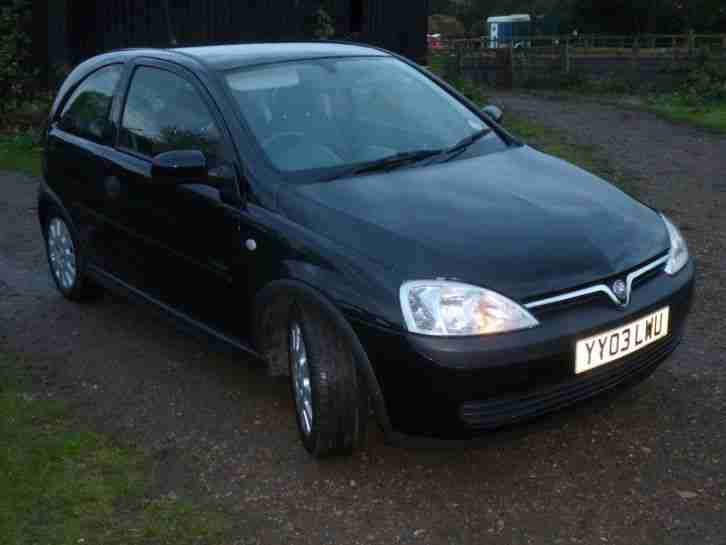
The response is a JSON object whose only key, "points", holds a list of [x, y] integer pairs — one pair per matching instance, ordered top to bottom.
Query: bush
{"points": [[321, 25], [447, 25], [17, 75], [553, 79], [705, 83], [611, 84], [470, 89]]}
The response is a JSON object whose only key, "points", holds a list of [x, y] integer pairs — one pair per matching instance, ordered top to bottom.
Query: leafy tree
{"points": [[446, 7], [601, 16], [322, 24], [448, 25], [17, 75]]}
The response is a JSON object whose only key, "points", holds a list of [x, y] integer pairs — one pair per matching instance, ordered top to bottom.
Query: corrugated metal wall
{"points": [[399, 25], [95, 26]]}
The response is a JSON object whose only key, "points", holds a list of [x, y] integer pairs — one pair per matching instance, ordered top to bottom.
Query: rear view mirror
{"points": [[494, 113], [179, 167]]}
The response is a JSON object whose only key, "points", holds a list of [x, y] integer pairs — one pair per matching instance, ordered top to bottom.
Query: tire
{"points": [[66, 259], [340, 403]]}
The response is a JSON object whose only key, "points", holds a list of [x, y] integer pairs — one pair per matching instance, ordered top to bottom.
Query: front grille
{"points": [[598, 292], [500, 412]]}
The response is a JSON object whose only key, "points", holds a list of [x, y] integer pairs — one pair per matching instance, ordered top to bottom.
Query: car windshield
{"points": [[333, 114]]}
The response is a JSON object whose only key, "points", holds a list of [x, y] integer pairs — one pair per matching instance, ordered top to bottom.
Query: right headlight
{"points": [[678, 254], [451, 309]]}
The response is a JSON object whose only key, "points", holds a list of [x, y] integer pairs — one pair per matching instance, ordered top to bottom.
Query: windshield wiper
{"points": [[465, 143], [389, 163]]}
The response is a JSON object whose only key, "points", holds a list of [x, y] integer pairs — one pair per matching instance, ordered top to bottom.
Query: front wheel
{"points": [[331, 403]]}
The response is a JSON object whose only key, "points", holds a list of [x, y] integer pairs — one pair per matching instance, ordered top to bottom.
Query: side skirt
{"points": [[184, 321]]}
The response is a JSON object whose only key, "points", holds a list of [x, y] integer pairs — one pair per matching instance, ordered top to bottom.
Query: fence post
{"points": [[723, 42], [691, 43], [674, 44], [635, 50], [635, 59], [566, 60], [459, 62], [505, 68]]}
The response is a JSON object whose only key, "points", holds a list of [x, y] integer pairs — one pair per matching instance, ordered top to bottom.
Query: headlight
{"points": [[678, 255], [434, 307]]}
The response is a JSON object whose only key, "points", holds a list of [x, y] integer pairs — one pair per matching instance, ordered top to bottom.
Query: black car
{"points": [[361, 226]]}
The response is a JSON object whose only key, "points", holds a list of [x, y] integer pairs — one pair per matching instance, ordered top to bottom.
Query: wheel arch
{"points": [[47, 201], [45, 205], [271, 308]]}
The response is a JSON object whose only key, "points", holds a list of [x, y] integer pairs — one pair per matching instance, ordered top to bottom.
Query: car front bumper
{"points": [[460, 388]]}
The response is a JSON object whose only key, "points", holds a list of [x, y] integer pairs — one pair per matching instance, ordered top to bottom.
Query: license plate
{"points": [[619, 342]]}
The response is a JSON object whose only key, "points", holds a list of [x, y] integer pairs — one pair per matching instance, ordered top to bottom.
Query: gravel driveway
{"points": [[646, 467]]}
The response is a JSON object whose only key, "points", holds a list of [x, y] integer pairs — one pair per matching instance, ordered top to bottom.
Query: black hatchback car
{"points": [[361, 226]]}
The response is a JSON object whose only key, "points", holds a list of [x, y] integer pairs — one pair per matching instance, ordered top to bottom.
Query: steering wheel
{"points": [[285, 140]]}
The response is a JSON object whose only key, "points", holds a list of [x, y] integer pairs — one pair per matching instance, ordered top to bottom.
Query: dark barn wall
{"points": [[399, 25], [93, 26], [101, 26]]}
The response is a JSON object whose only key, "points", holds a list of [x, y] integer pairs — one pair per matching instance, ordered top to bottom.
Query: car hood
{"points": [[519, 222]]}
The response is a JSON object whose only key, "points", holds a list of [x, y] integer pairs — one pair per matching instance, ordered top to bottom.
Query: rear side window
{"points": [[165, 112], [85, 114]]}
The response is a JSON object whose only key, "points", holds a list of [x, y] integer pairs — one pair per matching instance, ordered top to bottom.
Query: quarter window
{"points": [[86, 111], [164, 112]]}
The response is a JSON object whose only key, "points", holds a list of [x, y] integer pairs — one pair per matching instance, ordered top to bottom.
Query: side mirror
{"points": [[494, 113], [178, 167]]}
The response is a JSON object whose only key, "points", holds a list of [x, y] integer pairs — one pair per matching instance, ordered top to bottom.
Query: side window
{"points": [[163, 113], [85, 114]]}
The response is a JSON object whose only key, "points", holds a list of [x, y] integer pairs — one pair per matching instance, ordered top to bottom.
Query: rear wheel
{"points": [[65, 260], [331, 403]]}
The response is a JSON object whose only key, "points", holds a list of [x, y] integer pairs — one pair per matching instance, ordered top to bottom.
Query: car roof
{"points": [[224, 57]]}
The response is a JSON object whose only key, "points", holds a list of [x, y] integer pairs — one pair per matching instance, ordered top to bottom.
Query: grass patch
{"points": [[671, 107], [710, 116], [546, 139], [555, 142], [19, 152], [63, 486]]}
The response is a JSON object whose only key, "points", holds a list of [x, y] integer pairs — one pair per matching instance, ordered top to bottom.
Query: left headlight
{"points": [[678, 254], [441, 308]]}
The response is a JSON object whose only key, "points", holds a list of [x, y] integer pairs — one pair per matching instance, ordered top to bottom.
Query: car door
{"points": [[78, 148], [176, 242]]}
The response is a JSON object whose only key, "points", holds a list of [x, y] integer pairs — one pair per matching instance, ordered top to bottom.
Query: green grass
{"points": [[671, 107], [709, 116], [546, 139], [555, 142], [20, 153], [61, 484]]}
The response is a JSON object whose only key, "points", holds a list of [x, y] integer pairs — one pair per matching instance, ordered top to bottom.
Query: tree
{"points": [[445, 7], [701, 15], [601, 16], [448, 25], [17, 72]]}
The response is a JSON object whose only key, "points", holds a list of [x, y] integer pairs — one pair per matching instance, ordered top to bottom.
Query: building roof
{"points": [[223, 57]]}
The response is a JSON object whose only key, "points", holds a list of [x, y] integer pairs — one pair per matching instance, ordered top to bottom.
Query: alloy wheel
{"points": [[62, 253], [300, 370]]}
